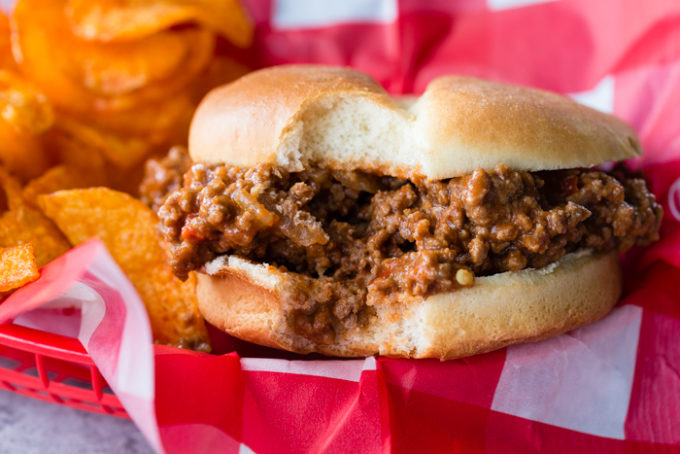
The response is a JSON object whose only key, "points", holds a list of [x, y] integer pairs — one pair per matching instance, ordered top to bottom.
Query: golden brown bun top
{"points": [[301, 115]]}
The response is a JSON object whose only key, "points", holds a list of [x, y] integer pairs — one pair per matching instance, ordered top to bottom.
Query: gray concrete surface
{"points": [[32, 426]]}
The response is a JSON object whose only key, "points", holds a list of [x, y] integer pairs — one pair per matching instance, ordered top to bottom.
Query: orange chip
{"points": [[109, 20], [36, 30], [6, 57], [119, 68], [82, 76], [22, 106], [24, 115], [157, 122], [123, 138], [85, 150], [70, 151], [122, 151], [22, 153], [59, 178], [12, 191], [22, 224], [28, 225], [128, 228], [18, 267]]}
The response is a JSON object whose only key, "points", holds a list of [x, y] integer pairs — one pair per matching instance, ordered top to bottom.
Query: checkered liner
{"points": [[613, 386]]}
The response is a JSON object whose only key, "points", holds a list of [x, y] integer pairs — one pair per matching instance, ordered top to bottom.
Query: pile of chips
{"points": [[89, 89]]}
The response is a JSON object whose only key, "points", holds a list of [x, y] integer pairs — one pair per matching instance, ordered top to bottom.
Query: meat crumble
{"points": [[163, 176], [349, 236]]}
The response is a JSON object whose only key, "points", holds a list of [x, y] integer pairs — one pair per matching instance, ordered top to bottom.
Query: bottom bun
{"points": [[245, 300]]}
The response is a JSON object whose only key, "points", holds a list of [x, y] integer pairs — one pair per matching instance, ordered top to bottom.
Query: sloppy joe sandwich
{"points": [[322, 215]]}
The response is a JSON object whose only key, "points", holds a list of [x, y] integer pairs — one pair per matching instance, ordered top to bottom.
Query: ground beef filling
{"points": [[162, 176], [350, 236]]}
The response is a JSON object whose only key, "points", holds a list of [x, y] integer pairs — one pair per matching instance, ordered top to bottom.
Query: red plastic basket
{"points": [[53, 368]]}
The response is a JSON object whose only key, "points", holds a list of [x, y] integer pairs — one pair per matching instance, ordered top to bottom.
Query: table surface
{"points": [[32, 426]]}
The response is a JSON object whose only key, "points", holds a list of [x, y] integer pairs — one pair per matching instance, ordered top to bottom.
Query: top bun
{"points": [[301, 115]]}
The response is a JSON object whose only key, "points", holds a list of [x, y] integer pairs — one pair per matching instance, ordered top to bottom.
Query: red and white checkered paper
{"points": [[613, 386]]}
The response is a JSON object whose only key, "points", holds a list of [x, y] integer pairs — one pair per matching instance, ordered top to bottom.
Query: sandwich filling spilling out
{"points": [[349, 237]]}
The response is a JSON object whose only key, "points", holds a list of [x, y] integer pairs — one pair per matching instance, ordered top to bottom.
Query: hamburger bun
{"points": [[294, 116], [299, 117], [244, 299]]}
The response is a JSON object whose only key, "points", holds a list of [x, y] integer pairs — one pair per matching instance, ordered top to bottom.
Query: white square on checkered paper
{"points": [[580, 381]]}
